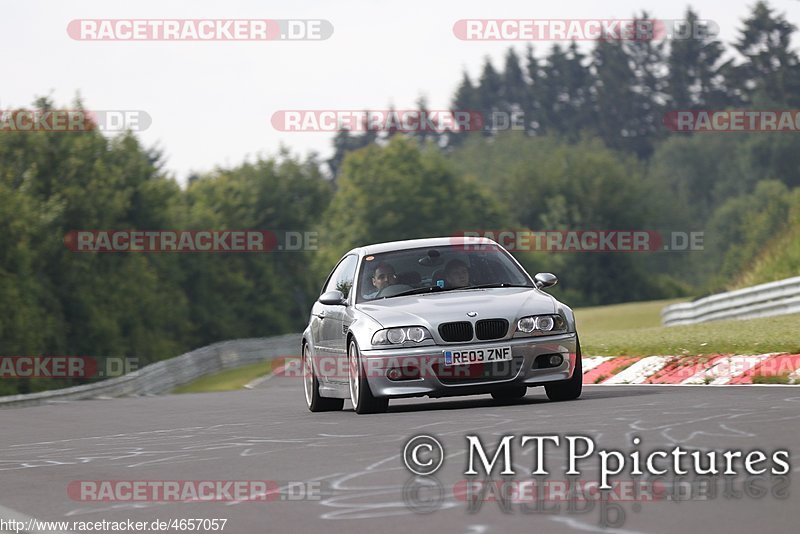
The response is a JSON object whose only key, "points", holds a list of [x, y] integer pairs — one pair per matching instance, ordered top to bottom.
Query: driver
{"points": [[456, 274], [383, 276]]}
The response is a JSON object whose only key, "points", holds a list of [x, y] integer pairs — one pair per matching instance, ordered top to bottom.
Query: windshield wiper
{"points": [[489, 286], [434, 289], [418, 291]]}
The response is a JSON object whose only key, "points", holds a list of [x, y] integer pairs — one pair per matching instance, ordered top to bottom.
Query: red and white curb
{"points": [[712, 369]]}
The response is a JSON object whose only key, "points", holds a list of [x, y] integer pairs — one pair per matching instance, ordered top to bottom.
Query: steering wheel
{"points": [[390, 291]]}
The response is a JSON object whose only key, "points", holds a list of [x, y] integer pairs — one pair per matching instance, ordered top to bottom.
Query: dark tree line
{"points": [[621, 89]]}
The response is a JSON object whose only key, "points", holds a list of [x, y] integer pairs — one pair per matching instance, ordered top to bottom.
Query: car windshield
{"points": [[434, 269]]}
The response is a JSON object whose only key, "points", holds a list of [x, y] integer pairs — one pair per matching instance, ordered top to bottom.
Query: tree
{"points": [[771, 67], [696, 74], [629, 80], [514, 90], [564, 90], [489, 94], [465, 100], [616, 104], [533, 107], [424, 134], [344, 141], [546, 183], [401, 191], [742, 227], [254, 294]]}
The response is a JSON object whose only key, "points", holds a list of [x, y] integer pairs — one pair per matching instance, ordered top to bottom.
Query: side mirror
{"points": [[544, 280], [333, 298]]}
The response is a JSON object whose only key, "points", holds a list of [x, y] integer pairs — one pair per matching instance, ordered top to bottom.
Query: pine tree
{"points": [[770, 70], [696, 77], [514, 91], [565, 92], [629, 92], [489, 94], [465, 100], [534, 121]]}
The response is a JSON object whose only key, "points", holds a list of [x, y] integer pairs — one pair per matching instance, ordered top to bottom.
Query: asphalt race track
{"points": [[355, 461]]}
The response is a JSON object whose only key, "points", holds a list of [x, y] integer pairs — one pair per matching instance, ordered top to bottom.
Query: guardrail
{"points": [[764, 300], [164, 376]]}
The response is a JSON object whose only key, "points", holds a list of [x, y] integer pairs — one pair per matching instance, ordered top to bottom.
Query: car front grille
{"points": [[491, 328], [455, 332]]}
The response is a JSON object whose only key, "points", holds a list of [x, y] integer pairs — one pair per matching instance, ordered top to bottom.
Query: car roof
{"points": [[390, 246]]}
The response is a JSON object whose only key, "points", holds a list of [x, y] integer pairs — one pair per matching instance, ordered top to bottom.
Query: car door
{"points": [[331, 318]]}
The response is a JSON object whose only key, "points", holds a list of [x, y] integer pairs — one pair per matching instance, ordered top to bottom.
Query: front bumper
{"points": [[436, 381]]}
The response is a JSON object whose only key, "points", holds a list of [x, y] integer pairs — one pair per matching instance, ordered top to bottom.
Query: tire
{"points": [[568, 389], [360, 393], [510, 394], [315, 401]]}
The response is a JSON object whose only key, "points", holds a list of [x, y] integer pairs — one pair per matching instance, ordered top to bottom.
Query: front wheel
{"points": [[568, 389], [360, 394], [315, 401]]}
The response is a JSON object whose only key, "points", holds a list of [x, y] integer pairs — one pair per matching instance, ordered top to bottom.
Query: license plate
{"points": [[477, 355]]}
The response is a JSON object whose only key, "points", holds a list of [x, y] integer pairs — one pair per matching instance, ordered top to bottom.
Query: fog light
{"points": [[556, 359], [394, 374]]}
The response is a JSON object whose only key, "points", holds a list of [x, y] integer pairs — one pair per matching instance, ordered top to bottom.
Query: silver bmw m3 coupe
{"points": [[436, 317]]}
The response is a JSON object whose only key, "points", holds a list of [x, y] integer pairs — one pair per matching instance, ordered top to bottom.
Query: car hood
{"points": [[435, 308]]}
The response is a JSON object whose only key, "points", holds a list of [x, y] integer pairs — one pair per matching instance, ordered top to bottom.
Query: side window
{"points": [[342, 277]]}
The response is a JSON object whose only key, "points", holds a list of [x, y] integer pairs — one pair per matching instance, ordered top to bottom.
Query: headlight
{"points": [[527, 324], [545, 324], [540, 325], [416, 334], [398, 336]]}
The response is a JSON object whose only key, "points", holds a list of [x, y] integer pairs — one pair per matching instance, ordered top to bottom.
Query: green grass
{"points": [[779, 260], [621, 316], [634, 329], [780, 379], [227, 380]]}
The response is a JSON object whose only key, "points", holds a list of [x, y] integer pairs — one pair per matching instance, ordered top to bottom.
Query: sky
{"points": [[211, 102]]}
